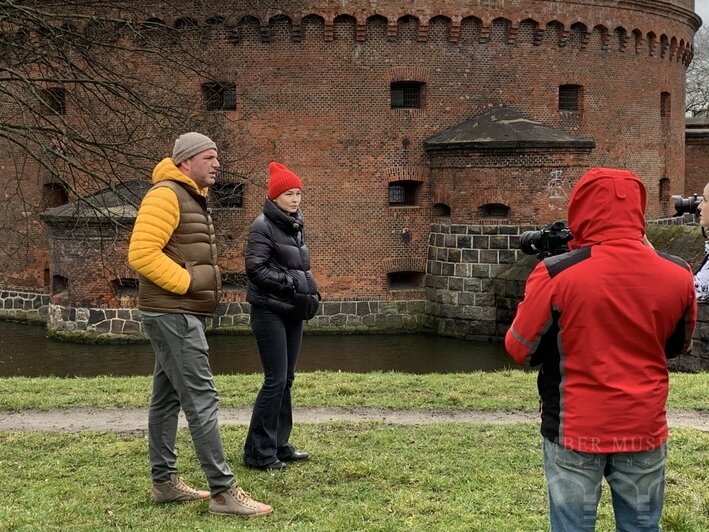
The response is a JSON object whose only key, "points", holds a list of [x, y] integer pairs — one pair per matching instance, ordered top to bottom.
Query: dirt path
{"points": [[135, 419]]}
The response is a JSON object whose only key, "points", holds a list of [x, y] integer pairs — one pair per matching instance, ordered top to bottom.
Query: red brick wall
{"points": [[312, 81], [697, 165], [535, 184], [23, 238], [90, 262]]}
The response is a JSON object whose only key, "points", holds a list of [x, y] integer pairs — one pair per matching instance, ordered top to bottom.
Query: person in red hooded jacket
{"points": [[602, 320]]}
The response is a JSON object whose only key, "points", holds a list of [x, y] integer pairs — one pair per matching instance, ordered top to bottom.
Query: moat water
{"points": [[25, 350]]}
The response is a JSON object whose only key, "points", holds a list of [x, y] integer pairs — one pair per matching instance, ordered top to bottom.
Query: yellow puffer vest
{"points": [[193, 246]]}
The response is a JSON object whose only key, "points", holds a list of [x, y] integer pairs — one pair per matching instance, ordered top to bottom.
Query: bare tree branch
{"points": [[92, 94], [697, 102]]}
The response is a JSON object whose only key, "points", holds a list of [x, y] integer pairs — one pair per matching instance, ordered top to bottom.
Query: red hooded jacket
{"points": [[602, 321]]}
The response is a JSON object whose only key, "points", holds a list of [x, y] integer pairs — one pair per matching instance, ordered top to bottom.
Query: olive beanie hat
{"points": [[190, 144]]}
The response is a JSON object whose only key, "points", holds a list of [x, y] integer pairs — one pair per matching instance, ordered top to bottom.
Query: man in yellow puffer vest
{"points": [[173, 249]]}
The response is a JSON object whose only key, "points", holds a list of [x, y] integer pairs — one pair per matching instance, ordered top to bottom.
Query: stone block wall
{"points": [[463, 261], [477, 274], [24, 306], [114, 325]]}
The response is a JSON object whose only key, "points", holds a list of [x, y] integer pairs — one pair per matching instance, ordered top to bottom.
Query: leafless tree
{"points": [[91, 96], [697, 102]]}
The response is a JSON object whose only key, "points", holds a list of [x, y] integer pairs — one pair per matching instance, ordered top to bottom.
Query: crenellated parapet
{"points": [[660, 29]]}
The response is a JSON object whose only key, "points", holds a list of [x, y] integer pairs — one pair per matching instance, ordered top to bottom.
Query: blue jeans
{"points": [[278, 340], [637, 482]]}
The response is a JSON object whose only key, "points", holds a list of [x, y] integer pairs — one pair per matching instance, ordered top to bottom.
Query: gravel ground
{"points": [[136, 419]]}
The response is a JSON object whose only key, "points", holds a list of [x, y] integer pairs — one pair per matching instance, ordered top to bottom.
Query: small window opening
{"points": [[406, 95], [219, 96], [570, 98], [54, 99], [665, 104], [228, 191], [402, 193], [54, 195], [441, 210], [494, 210], [405, 280], [234, 281], [60, 285], [125, 287], [59, 290]]}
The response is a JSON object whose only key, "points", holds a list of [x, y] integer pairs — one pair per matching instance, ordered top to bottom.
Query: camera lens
{"points": [[687, 205], [529, 242]]}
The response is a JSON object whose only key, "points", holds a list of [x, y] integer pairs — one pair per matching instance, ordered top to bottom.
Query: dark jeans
{"points": [[278, 342]]}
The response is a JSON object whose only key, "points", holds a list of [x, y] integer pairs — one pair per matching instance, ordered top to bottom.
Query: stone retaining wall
{"points": [[463, 261], [475, 277], [24, 306], [114, 325]]}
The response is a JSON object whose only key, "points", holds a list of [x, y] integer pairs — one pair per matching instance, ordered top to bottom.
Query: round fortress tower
{"points": [[402, 115]]}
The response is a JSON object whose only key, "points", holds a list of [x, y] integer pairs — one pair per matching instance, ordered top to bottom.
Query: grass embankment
{"points": [[503, 390], [363, 476]]}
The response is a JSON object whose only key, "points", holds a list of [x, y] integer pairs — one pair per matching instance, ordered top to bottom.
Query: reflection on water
{"points": [[25, 350]]}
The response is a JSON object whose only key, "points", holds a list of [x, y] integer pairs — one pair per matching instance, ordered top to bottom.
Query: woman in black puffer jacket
{"points": [[282, 293]]}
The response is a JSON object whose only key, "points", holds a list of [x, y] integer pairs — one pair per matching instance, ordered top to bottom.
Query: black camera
{"points": [[687, 205], [552, 240]]}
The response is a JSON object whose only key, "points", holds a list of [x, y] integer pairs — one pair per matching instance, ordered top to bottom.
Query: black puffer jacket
{"points": [[278, 265]]}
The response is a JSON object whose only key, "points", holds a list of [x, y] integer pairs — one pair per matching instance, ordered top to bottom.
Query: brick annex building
{"points": [[427, 133]]}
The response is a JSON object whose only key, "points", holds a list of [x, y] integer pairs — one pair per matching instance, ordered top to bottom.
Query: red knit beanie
{"points": [[281, 179]]}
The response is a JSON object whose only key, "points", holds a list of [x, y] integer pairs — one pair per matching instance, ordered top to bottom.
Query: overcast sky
{"points": [[701, 7]]}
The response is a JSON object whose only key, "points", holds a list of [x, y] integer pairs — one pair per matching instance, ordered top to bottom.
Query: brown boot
{"points": [[176, 490], [236, 501]]}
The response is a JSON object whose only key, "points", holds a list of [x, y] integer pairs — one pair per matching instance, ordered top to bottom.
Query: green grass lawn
{"points": [[501, 390], [364, 476]]}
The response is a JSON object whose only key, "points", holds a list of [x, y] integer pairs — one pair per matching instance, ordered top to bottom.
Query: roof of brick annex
{"points": [[503, 128], [119, 201]]}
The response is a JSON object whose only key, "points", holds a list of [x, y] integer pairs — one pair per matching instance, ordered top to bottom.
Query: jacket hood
{"points": [[166, 170], [607, 204]]}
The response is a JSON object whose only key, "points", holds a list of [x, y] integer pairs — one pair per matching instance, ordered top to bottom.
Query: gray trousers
{"points": [[183, 378]]}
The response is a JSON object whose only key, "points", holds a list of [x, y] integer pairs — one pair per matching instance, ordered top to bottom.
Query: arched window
{"points": [[54, 100], [664, 190], [54, 195], [441, 210], [494, 210], [405, 280], [234, 281], [125, 287]]}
